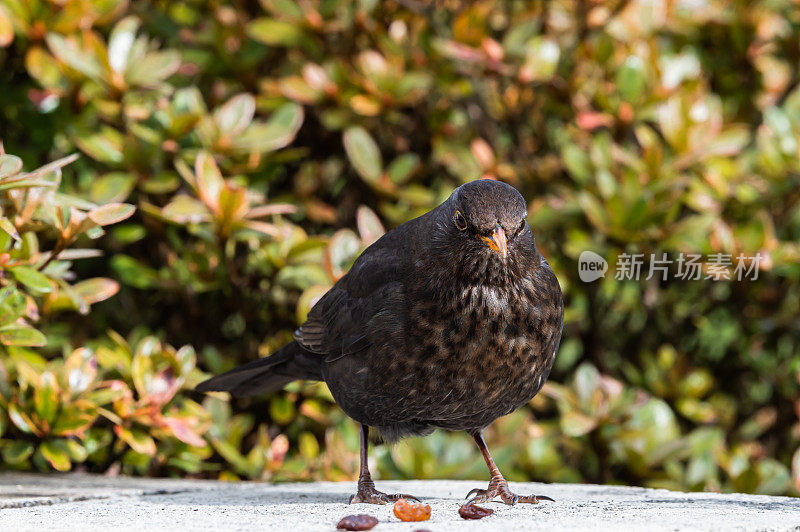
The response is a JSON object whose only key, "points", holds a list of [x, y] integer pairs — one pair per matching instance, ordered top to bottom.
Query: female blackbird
{"points": [[449, 321]]}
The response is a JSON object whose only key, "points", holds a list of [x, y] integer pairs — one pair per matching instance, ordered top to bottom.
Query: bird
{"points": [[448, 321]]}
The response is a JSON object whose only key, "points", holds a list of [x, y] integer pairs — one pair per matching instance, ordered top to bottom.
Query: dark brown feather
{"points": [[431, 328]]}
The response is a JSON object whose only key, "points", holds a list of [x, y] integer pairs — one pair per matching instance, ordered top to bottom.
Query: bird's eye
{"points": [[459, 220], [522, 225]]}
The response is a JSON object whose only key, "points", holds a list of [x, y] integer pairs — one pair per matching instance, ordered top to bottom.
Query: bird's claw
{"points": [[501, 489], [473, 491], [373, 496]]}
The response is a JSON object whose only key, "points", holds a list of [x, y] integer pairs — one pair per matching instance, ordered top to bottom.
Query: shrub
{"points": [[252, 138]]}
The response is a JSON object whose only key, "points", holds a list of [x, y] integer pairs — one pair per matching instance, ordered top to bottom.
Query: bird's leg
{"points": [[498, 486], [366, 488]]}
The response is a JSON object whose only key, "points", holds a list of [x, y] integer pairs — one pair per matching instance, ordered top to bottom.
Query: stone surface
{"points": [[82, 502]]}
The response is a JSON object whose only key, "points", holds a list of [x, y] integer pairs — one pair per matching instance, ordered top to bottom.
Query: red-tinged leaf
{"points": [[6, 30], [590, 120], [54, 166], [209, 180], [273, 208], [111, 213], [369, 225], [7, 226], [263, 227], [79, 253], [95, 290], [161, 387], [22, 421], [181, 430], [138, 440], [279, 448], [56, 454]]}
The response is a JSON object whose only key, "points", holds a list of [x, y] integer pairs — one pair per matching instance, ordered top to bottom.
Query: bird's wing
{"points": [[341, 323]]}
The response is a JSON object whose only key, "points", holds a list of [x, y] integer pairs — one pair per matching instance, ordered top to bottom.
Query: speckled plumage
{"points": [[430, 328]]}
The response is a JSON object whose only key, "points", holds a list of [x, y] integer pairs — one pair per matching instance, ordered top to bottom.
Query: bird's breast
{"points": [[485, 349]]}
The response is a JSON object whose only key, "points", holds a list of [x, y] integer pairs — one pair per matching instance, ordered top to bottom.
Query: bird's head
{"points": [[485, 223]]}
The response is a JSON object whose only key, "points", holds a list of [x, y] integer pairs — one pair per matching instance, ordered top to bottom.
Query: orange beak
{"points": [[497, 242]]}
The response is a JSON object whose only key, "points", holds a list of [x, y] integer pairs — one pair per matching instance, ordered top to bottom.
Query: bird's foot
{"points": [[500, 489], [368, 494]]}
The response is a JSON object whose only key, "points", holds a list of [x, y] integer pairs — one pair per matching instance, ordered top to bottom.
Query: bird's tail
{"points": [[267, 375]]}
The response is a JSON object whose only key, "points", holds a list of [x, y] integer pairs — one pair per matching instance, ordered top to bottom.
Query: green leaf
{"points": [[6, 29], [275, 32], [120, 43], [68, 51], [541, 59], [153, 68], [45, 69], [631, 79], [235, 115], [278, 132], [105, 146], [363, 152], [458, 159], [577, 163], [9, 165], [403, 167], [209, 180], [25, 183], [113, 187], [185, 209], [111, 213], [369, 225], [8, 227], [343, 249], [134, 273], [38, 282], [97, 289], [308, 299], [12, 304], [21, 335], [45, 397], [281, 410], [20, 420], [73, 423], [575, 424], [138, 440], [308, 445], [75, 451], [17, 452], [57, 454], [231, 454]]}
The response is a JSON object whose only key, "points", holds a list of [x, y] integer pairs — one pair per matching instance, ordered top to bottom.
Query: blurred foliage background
{"points": [[236, 156]]}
